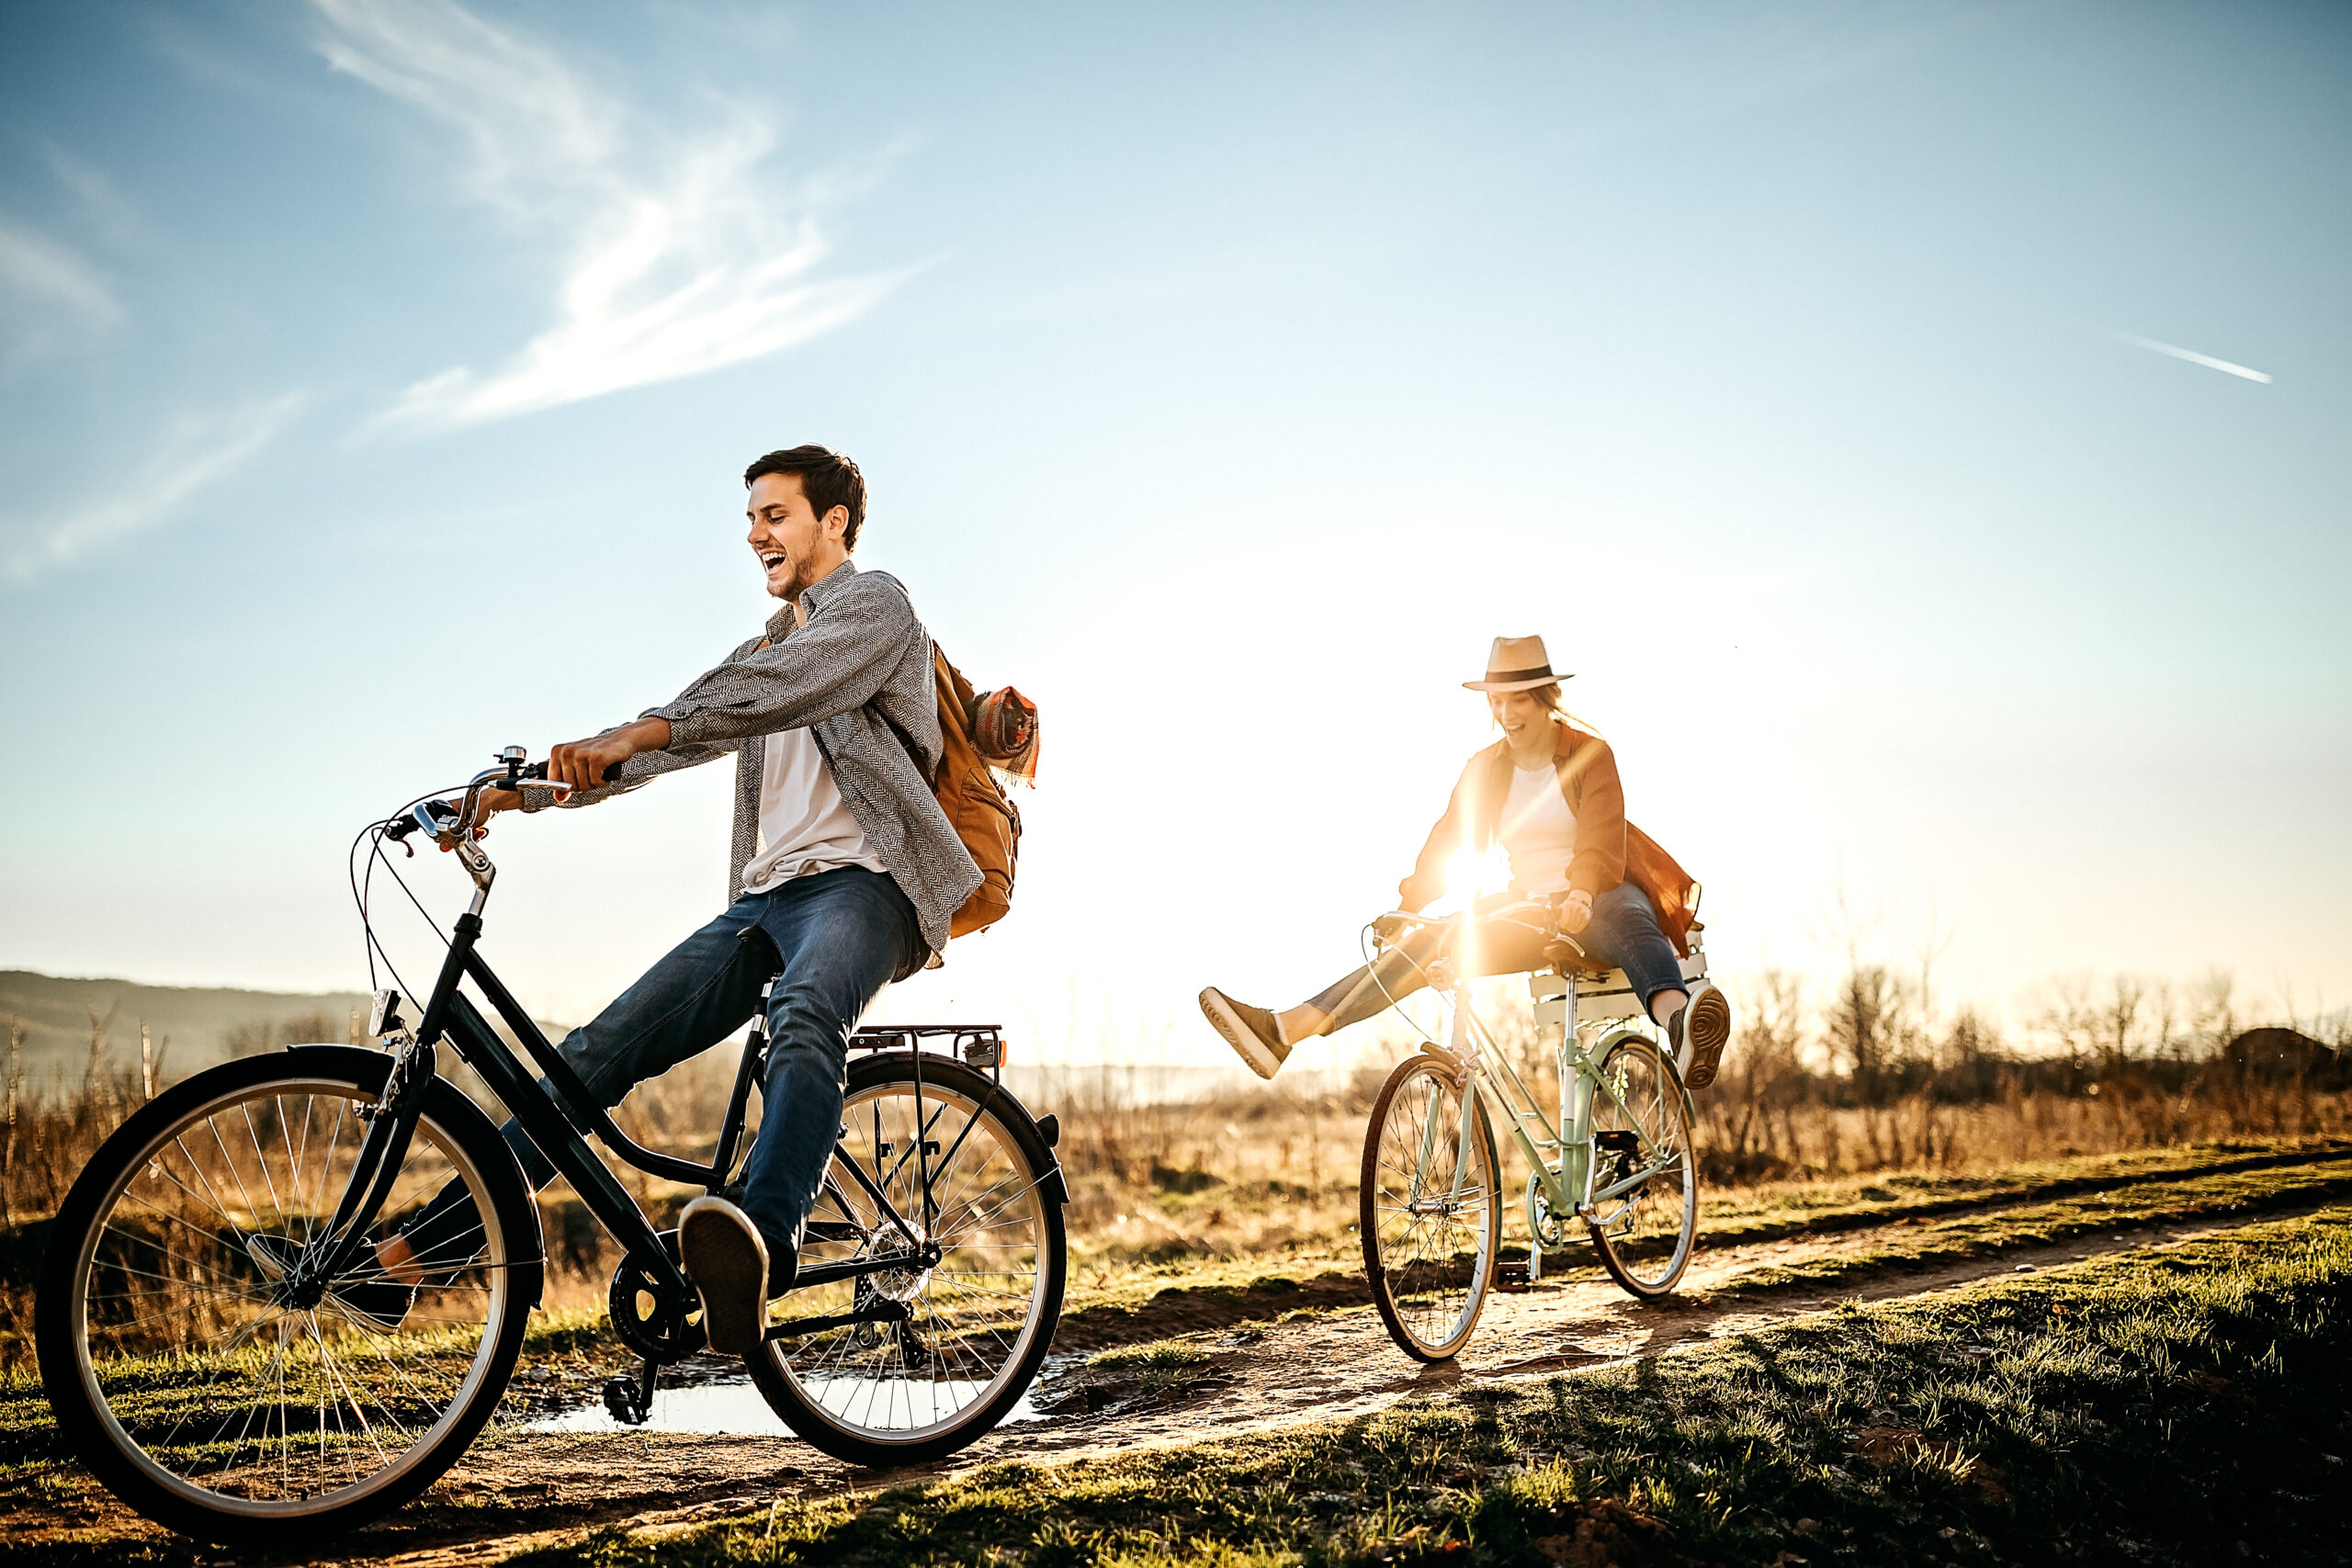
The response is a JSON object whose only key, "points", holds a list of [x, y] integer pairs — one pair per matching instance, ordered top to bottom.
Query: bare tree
{"points": [[99, 1027], [16, 1084]]}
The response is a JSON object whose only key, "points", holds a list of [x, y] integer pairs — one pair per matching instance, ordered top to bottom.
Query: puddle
{"points": [[734, 1408]]}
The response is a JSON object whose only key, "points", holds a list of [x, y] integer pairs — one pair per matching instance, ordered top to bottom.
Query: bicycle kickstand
{"points": [[630, 1400]]}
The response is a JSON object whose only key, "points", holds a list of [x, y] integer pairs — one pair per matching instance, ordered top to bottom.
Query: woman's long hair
{"points": [[1550, 697]]}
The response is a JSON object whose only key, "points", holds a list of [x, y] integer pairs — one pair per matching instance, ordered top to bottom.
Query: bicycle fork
{"points": [[1459, 1054], [392, 1125]]}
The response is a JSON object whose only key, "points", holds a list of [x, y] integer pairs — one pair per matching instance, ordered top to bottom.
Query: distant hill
{"points": [[193, 1026]]}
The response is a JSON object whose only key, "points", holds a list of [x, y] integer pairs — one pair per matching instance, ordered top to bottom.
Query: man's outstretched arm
{"points": [[582, 763]]}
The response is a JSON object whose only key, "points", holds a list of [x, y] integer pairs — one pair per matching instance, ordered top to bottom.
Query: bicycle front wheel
{"points": [[1641, 1145], [1430, 1219], [963, 1336], [191, 1368]]}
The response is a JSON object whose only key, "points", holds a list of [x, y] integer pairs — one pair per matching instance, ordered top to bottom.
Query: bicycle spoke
{"points": [[190, 1260], [970, 1313]]}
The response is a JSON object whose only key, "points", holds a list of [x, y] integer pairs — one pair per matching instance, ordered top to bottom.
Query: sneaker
{"points": [[1253, 1032], [1698, 1033], [783, 1260], [728, 1262], [367, 1296]]}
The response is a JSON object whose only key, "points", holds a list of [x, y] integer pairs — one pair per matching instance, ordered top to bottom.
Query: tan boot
{"points": [[1255, 1034]]}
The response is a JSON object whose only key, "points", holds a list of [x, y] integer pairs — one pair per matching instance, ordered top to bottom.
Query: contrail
{"points": [[2190, 354]]}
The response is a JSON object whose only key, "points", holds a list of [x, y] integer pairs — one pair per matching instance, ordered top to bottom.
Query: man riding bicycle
{"points": [[1548, 793], [844, 877]]}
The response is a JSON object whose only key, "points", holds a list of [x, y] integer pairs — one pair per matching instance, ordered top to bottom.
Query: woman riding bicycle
{"points": [[1548, 792]]}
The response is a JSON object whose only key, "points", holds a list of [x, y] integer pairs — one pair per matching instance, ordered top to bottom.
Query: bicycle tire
{"points": [[1033, 1178], [1626, 1237], [509, 1258], [1399, 1274]]}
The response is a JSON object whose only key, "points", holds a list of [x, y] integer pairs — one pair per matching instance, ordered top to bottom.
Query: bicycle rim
{"points": [[1429, 1226], [1644, 1235], [978, 1322], [218, 1396]]}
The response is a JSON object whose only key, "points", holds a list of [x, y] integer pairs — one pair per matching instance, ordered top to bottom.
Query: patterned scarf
{"points": [[1004, 732]]}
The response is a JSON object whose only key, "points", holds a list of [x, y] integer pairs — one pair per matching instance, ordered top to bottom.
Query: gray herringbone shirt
{"points": [[857, 674]]}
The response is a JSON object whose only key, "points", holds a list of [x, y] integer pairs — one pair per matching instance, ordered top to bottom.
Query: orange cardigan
{"points": [[1609, 850]]}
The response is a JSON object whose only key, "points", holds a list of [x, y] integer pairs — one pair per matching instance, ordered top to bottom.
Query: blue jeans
{"points": [[838, 938], [1509, 939]]}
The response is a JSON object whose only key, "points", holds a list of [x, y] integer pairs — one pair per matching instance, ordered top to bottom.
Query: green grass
{"points": [[1739, 1215], [1945, 1219], [1961, 1237], [1127, 1300], [1159, 1356], [567, 1357], [2184, 1400], [2157, 1408]]}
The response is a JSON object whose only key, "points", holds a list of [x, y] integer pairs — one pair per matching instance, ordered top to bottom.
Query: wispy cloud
{"points": [[102, 206], [682, 252], [49, 292], [2190, 354], [194, 453]]}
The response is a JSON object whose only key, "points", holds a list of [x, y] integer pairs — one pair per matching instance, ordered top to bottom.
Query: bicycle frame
{"points": [[560, 1119], [1561, 1156]]}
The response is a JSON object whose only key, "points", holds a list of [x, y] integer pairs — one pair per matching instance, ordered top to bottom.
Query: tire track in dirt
{"points": [[1179, 1310], [521, 1490]]}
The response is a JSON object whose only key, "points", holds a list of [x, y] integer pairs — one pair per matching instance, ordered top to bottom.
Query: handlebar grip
{"points": [[539, 770]]}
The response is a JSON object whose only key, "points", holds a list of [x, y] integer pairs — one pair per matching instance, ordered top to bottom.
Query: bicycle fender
{"points": [[1611, 1040], [993, 1096]]}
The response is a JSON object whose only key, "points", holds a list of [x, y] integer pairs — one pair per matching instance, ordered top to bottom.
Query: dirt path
{"points": [[525, 1489]]}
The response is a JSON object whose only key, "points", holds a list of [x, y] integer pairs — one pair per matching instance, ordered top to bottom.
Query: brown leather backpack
{"points": [[976, 804]]}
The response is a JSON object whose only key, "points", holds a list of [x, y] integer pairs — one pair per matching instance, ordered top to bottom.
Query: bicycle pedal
{"points": [[1511, 1274], [620, 1400]]}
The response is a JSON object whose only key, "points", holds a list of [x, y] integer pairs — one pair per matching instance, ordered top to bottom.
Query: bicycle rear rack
{"points": [[978, 1044]]}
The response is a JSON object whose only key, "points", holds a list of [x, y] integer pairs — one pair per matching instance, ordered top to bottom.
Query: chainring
{"points": [[1541, 1223], [646, 1321]]}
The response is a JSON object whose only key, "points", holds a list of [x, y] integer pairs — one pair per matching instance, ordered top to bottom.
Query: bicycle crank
{"points": [[648, 1322]]}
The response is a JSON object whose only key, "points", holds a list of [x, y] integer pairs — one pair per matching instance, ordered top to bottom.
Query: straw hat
{"points": [[1516, 664]]}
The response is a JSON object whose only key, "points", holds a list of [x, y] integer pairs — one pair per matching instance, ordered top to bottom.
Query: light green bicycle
{"points": [[1619, 1160]]}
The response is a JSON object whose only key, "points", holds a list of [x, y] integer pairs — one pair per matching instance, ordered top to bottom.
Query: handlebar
{"points": [[439, 820], [1562, 946]]}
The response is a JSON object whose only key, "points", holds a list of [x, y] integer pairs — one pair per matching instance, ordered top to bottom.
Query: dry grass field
{"points": [[1260, 1181], [1949, 1288]]}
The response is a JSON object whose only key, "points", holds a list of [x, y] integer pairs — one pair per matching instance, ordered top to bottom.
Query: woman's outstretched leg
{"points": [[1507, 942], [1264, 1038]]}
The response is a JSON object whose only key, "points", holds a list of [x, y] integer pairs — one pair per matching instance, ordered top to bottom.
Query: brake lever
{"points": [[421, 817]]}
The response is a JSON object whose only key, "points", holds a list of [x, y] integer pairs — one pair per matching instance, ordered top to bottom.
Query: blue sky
{"points": [[376, 381]]}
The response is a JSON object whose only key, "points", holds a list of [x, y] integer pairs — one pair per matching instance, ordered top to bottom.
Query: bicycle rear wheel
{"points": [[1430, 1223], [1644, 1235], [976, 1324], [189, 1367]]}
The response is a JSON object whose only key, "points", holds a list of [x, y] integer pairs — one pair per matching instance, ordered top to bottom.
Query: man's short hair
{"points": [[827, 479]]}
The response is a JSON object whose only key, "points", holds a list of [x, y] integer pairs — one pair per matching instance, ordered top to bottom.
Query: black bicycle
{"points": [[222, 1347]]}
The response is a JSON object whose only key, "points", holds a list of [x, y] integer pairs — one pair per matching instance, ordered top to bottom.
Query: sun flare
{"points": [[1470, 874]]}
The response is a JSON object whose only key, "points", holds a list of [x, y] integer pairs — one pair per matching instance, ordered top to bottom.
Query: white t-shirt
{"points": [[804, 825], [1538, 831]]}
